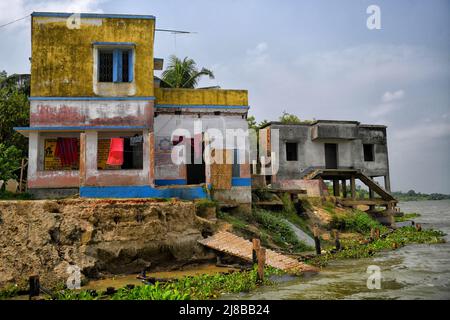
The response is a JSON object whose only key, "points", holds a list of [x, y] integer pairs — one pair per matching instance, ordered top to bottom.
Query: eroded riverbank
{"points": [[416, 271]]}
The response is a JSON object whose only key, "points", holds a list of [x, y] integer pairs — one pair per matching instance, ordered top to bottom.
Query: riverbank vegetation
{"points": [[407, 217], [354, 249], [187, 288]]}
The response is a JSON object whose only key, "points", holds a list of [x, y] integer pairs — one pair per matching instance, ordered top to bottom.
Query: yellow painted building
{"points": [[63, 54], [92, 85]]}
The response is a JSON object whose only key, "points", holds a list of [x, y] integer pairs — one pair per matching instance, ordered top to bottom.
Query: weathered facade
{"points": [[92, 79], [334, 150]]}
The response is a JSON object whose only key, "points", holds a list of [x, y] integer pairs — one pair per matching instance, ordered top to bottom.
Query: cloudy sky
{"points": [[316, 59]]}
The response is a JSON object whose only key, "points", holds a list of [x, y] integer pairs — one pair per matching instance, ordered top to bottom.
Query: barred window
{"points": [[105, 66]]}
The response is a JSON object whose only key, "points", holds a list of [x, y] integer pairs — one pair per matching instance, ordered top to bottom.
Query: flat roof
{"points": [[91, 15], [313, 122]]}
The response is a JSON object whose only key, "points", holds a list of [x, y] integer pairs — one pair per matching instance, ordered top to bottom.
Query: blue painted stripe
{"points": [[92, 15], [101, 43], [130, 65], [117, 74], [91, 98], [200, 106], [79, 128], [168, 182], [241, 182], [185, 193]]}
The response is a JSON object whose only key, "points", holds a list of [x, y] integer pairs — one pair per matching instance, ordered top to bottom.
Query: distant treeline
{"points": [[411, 195]]}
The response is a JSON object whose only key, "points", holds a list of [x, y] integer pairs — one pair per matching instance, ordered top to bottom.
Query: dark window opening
{"points": [[106, 66], [125, 66], [217, 113], [291, 151], [369, 152], [196, 171]]}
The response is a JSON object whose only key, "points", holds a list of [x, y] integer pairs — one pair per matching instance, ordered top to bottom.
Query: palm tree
{"points": [[183, 73]]}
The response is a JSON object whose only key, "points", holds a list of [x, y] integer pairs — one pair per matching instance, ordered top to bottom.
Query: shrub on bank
{"points": [[358, 221]]}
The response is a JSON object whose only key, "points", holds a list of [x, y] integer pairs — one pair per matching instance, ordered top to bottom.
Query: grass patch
{"points": [[6, 195], [206, 203], [290, 213], [407, 217], [356, 221], [282, 234], [398, 238], [199, 287], [8, 292]]}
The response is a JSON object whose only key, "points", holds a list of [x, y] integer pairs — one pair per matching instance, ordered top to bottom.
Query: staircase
{"points": [[314, 173], [375, 187]]}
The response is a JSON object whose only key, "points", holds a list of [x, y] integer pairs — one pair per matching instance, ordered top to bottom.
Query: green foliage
{"points": [[183, 73], [14, 112], [288, 118], [252, 124], [9, 162], [5, 195], [412, 195], [206, 203], [329, 207], [290, 213], [407, 217], [236, 221], [357, 221], [281, 232], [393, 240], [186, 288], [9, 292], [152, 292]]}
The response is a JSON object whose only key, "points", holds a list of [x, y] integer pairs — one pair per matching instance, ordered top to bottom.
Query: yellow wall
{"points": [[62, 58], [201, 97]]}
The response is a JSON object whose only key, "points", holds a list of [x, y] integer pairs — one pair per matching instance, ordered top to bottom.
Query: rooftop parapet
{"points": [[201, 97]]}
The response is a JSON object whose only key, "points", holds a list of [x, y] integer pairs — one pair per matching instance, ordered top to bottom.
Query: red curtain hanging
{"points": [[67, 151], [115, 157]]}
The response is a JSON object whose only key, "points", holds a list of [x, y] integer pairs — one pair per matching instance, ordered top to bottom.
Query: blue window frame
{"points": [[115, 65]]}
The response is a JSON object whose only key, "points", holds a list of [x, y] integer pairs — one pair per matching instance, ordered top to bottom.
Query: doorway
{"points": [[331, 161], [196, 171]]}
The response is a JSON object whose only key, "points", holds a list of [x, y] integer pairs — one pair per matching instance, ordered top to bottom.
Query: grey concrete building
{"points": [[339, 151]]}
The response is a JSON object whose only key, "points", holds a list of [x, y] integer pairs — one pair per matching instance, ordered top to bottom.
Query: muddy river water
{"points": [[412, 272]]}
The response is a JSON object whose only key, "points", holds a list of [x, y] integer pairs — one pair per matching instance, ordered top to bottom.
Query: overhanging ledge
{"points": [[26, 130]]}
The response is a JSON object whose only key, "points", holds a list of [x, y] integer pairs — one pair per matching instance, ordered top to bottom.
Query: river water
{"points": [[412, 272]]}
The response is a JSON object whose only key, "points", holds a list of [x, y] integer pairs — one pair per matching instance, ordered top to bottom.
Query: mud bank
{"points": [[99, 236]]}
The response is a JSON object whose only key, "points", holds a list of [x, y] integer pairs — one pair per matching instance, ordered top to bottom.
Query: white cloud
{"points": [[12, 10], [259, 49], [258, 55], [391, 96], [389, 103]]}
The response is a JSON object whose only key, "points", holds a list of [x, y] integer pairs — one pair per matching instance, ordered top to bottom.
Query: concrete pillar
{"points": [[33, 142], [91, 155], [151, 169], [387, 183], [353, 187], [344, 188], [336, 192], [371, 194]]}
